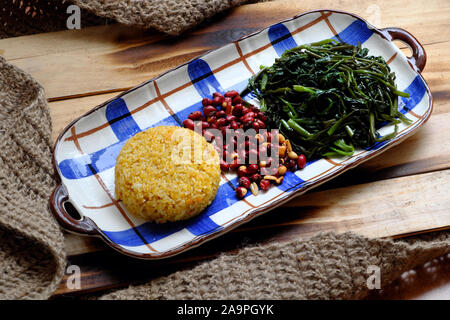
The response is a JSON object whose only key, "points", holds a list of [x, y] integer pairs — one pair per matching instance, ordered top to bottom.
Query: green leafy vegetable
{"points": [[328, 98]]}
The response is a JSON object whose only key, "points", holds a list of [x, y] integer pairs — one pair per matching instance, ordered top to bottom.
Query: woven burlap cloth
{"points": [[170, 16], [22, 17], [32, 257]]}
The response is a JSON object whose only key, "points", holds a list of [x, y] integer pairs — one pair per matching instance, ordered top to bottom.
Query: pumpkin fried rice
{"points": [[167, 173]]}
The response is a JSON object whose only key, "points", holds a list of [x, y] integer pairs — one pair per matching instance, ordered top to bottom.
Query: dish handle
{"points": [[419, 57], [82, 226]]}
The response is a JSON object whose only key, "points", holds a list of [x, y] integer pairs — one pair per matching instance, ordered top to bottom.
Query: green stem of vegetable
{"points": [[323, 42], [343, 47], [310, 52], [335, 65], [378, 74], [264, 80], [300, 88], [393, 88], [277, 91], [347, 95], [263, 106], [291, 108], [328, 108], [393, 109], [402, 117], [285, 125], [336, 125], [372, 126], [298, 128], [349, 131], [373, 132], [388, 136], [345, 147], [341, 152]]}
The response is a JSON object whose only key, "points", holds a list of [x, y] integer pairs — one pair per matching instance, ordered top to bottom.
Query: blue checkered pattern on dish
{"points": [[124, 125]]}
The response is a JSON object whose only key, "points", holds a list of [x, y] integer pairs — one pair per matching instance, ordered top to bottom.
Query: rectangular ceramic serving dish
{"points": [[86, 151]]}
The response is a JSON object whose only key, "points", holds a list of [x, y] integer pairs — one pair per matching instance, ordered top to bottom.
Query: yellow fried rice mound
{"points": [[167, 173]]}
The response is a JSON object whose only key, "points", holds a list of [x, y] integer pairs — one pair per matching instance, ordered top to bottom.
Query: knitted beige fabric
{"points": [[169, 16], [23, 17], [32, 255], [32, 260], [327, 266]]}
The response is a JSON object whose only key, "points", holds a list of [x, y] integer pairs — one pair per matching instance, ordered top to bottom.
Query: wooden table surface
{"points": [[80, 69]]}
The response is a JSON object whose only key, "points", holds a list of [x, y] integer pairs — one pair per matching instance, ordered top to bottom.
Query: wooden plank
{"points": [[383, 13], [88, 39], [112, 58], [103, 59], [84, 66], [437, 74], [65, 111], [428, 150], [383, 208], [376, 209], [78, 245], [430, 281]]}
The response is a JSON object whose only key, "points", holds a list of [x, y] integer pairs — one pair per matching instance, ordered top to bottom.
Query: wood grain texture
{"points": [[112, 58], [436, 73], [65, 111], [428, 150], [400, 192], [376, 209], [430, 281]]}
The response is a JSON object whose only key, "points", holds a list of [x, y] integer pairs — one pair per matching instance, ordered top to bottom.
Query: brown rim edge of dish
{"points": [[419, 56], [417, 63], [83, 226]]}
